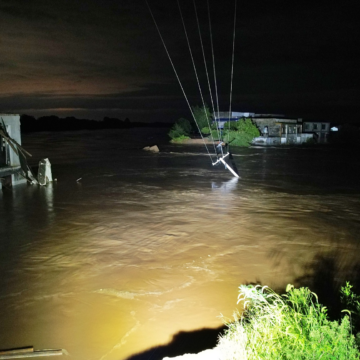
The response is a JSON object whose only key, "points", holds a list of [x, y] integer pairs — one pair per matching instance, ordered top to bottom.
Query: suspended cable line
{"points": [[213, 62], [232, 66], [206, 68], [195, 70], [177, 76], [216, 112], [219, 148]]}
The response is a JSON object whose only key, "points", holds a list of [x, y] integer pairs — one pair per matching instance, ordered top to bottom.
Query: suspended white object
{"points": [[227, 166]]}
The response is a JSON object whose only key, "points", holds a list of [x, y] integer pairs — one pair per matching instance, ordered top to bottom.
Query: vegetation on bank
{"points": [[183, 128], [236, 133], [180, 139], [293, 326]]}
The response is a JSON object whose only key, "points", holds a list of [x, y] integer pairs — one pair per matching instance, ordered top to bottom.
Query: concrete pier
{"points": [[10, 170]]}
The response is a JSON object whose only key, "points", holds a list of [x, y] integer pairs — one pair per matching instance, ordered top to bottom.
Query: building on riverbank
{"points": [[223, 117], [274, 129], [320, 129], [277, 130], [10, 168]]}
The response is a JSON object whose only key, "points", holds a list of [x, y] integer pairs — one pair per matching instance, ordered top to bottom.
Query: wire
{"points": [[213, 58], [232, 67], [206, 70], [196, 73], [207, 74], [177, 76], [215, 82], [216, 111]]}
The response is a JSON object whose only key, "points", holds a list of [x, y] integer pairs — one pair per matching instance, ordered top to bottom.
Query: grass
{"points": [[180, 139], [292, 326]]}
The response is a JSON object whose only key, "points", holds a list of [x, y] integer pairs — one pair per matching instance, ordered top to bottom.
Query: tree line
{"points": [[55, 123]]}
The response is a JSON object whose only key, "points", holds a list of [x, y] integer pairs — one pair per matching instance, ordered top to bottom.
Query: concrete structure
{"points": [[224, 116], [275, 129], [320, 129], [280, 130], [10, 169]]}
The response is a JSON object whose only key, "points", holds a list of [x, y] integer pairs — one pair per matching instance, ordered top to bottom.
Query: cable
{"points": [[232, 66], [206, 70], [177, 76], [215, 82]]}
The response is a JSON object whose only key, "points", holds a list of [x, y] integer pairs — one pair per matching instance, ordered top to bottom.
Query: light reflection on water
{"points": [[147, 245]]}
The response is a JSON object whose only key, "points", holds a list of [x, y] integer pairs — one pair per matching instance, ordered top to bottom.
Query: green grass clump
{"points": [[180, 138], [352, 303], [288, 327]]}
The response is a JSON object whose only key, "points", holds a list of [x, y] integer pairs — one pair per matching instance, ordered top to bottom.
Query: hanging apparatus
{"points": [[221, 158], [227, 166]]}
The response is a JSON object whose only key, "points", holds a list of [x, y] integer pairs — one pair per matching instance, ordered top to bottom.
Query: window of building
{"points": [[307, 126], [315, 126], [323, 126], [292, 129]]}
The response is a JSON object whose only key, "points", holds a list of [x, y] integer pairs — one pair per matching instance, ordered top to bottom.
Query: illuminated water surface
{"points": [[147, 245]]}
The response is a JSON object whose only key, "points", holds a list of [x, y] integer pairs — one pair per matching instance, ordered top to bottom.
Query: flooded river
{"points": [[148, 249]]}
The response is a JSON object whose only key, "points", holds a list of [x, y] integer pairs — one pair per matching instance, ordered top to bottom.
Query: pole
{"points": [[229, 168]]}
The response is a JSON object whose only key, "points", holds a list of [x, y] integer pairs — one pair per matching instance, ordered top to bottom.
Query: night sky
{"points": [[91, 59]]}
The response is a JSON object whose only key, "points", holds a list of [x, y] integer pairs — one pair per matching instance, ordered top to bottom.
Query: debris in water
{"points": [[153, 148], [44, 173]]}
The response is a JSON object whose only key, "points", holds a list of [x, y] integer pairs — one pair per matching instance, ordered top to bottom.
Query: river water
{"points": [[145, 247]]}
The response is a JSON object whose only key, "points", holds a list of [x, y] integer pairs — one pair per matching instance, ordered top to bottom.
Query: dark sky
{"points": [[91, 58]]}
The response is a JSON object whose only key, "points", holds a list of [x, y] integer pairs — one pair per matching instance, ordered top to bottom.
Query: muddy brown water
{"points": [[146, 246]]}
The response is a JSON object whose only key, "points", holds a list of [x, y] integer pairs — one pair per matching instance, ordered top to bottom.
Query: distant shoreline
{"points": [[54, 123]]}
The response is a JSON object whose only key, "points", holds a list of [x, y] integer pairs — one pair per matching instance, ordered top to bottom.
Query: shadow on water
{"points": [[325, 276], [191, 342]]}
